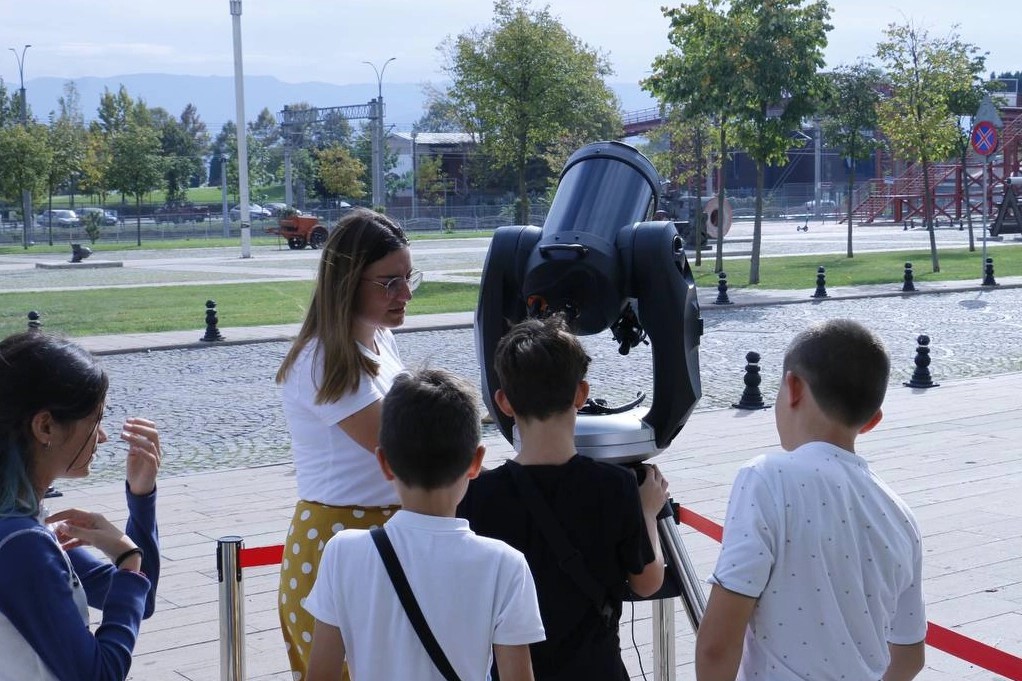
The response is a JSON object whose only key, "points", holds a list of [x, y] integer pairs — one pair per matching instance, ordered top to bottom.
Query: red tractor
{"points": [[300, 230]]}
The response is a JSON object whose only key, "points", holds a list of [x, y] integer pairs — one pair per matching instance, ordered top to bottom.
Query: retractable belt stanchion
{"points": [[232, 609]]}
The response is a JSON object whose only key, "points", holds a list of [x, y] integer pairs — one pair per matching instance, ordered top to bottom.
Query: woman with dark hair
{"points": [[334, 378], [52, 397]]}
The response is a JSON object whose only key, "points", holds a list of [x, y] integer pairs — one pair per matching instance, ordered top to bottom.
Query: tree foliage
{"points": [[924, 73], [524, 84], [850, 120], [24, 159], [136, 164], [340, 173]]}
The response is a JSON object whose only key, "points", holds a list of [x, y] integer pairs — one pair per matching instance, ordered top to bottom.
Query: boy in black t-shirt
{"points": [[603, 513]]}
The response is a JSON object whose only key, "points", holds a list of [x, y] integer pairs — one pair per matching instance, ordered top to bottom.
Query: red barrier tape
{"points": [[263, 555], [952, 643]]}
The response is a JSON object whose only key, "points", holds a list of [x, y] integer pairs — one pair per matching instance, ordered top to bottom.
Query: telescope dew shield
{"points": [[575, 269]]}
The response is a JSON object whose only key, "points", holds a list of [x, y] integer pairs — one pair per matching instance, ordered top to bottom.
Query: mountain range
{"points": [[213, 96]]}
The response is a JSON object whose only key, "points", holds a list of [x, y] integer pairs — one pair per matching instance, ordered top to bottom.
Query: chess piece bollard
{"points": [[79, 252], [988, 273], [909, 278], [821, 283], [722, 297], [34, 321], [212, 333], [921, 376], [752, 398]]}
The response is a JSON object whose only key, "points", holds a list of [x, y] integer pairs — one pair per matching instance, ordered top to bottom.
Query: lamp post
{"points": [[239, 101], [415, 179], [223, 192], [26, 194], [379, 196]]}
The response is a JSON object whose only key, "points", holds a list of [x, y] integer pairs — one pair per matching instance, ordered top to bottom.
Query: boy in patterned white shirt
{"points": [[819, 575]]}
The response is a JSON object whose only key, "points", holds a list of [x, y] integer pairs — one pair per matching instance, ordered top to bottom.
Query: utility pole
{"points": [[239, 101], [26, 193], [379, 195]]}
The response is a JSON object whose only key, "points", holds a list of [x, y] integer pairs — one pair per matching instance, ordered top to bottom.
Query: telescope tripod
{"points": [[680, 581]]}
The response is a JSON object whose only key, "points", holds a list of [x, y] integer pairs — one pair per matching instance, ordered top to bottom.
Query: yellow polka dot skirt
{"points": [[311, 526]]}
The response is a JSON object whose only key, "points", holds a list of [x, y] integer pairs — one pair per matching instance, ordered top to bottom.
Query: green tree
{"points": [[782, 45], [924, 72], [701, 74], [524, 83], [112, 113], [440, 115], [69, 116], [850, 120], [198, 143], [67, 146], [24, 160], [136, 165], [340, 173], [94, 179], [431, 182]]}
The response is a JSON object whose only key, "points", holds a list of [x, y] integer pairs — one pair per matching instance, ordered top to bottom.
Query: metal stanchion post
{"points": [[232, 609], [663, 640]]}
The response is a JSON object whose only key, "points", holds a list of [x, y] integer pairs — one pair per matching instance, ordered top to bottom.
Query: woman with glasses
{"points": [[334, 378], [52, 397]]}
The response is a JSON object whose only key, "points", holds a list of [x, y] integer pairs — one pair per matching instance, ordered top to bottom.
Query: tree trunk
{"points": [[965, 190], [523, 194], [49, 205], [928, 215], [697, 216], [138, 219], [757, 225], [718, 265]]}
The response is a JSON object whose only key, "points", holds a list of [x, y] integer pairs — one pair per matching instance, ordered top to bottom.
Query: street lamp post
{"points": [[239, 101], [415, 179], [26, 193], [379, 196]]}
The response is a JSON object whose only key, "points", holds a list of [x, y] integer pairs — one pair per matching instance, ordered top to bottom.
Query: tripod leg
{"points": [[692, 595], [663, 639]]}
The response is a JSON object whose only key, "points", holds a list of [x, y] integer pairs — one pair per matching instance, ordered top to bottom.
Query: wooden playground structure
{"points": [[901, 199]]}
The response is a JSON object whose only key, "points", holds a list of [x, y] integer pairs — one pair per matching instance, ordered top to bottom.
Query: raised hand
{"points": [[144, 454]]}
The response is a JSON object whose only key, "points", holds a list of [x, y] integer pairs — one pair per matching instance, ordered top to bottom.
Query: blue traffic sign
{"points": [[984, 138]]}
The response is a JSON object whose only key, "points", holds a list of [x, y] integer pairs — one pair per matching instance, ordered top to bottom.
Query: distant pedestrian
{"points": [[334, 378], [52, 398], [820, 572]]}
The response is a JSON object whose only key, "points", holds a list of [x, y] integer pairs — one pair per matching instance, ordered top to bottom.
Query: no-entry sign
{"points": [[984, 138]]}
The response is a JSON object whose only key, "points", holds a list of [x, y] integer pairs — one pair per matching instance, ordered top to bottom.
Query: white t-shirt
{"points": [[330, 467], [834, 557], [473, 591]]}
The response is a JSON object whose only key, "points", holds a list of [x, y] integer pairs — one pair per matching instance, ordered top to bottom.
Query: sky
{"points": [[328, 40]]}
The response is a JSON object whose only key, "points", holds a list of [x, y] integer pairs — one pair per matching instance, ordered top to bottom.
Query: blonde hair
{"points": [[360, 238]]}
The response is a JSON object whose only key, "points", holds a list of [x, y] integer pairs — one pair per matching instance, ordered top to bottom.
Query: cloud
{"points": [[107, 50]]}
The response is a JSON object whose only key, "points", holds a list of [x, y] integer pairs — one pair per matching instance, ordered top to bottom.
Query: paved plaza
{"points": [[951, 451]]}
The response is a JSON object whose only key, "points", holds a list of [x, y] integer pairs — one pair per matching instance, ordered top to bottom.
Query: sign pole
{"points": [[986, 208]]}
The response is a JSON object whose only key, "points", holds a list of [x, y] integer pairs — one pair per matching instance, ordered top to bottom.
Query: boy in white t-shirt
{"points": [[819, 575], [476, 594]]}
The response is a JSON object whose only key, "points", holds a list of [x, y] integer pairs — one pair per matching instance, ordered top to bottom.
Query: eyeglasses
{"points": [[393, 286]]}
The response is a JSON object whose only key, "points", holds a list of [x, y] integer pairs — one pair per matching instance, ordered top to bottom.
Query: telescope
{"points": [[599, 261]]}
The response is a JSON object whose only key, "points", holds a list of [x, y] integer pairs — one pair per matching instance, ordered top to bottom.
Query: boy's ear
{"points": [[796, 388], [581, 394], [500, 399], [872, 423], [477, 463], [384, 466]]}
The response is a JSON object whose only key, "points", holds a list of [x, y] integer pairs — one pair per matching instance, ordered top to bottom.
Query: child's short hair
{"points": [[539, 364], [845, 366], [429, 429]]}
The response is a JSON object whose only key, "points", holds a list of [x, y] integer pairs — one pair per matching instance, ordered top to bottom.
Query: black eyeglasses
{"points": [[393, 286]]}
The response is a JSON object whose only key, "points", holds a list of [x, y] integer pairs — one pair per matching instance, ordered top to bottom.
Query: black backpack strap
{"points": [[568, 558], [411, 606]]}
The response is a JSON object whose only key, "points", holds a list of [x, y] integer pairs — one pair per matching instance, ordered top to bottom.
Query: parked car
{"points": [[826, 206], [275, 208], [181, 212], [255, 212], [106, 217], [58, 218]]}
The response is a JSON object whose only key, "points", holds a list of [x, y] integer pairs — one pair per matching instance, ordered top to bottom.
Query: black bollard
{"points": [[79, 252], [988, 273], [909, 278], [821, 283], [722, 298], [34, 322], [212, 333], [921, 376], [752, 398]]}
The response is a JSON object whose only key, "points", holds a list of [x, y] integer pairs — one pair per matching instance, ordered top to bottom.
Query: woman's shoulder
{"points": [[14, 530]]}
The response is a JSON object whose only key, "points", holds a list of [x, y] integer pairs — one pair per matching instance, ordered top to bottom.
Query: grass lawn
{"points": [[799, 272], [169, 308]]}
